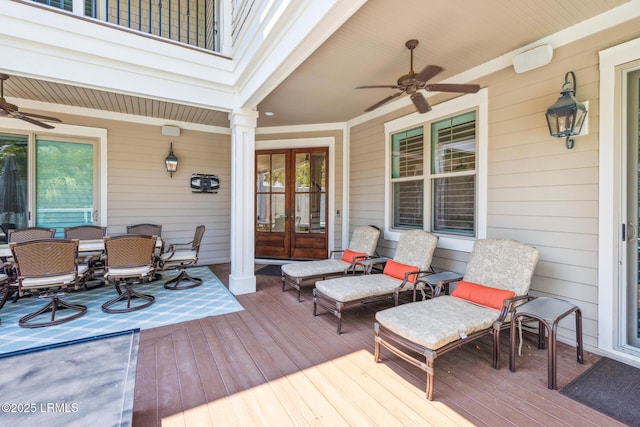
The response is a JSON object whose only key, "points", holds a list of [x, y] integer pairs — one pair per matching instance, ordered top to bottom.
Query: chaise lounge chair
{"points": [[362, 245], [412, 260], [497, 278]]}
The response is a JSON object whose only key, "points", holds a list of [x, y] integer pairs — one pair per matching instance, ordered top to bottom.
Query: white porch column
{"points": [[242, 279]]}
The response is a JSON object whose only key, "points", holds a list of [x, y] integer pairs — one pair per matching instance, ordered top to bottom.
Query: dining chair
{"points": [[150, 230], [31, 233], [180, 256], [93, 258], [129, 260], [49, 267]]}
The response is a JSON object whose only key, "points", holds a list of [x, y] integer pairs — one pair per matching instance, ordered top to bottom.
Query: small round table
{"points": [[548, 311]]}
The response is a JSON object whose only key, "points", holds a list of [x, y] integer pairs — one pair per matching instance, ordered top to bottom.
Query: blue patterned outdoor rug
{"points": [[211, 298]]}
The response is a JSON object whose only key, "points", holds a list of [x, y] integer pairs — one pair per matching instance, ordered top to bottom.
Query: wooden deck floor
{"points": [[274, 364]]}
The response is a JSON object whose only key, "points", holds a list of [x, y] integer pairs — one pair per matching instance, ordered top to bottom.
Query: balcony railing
{"points": [[193, 22]]}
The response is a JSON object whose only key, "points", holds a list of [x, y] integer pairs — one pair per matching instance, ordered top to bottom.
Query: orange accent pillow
{"points": [[348, 255], [397, 270], [483, 295]]}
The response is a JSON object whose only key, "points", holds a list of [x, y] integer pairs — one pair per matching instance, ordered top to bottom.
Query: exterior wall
{"points": [[337, 167], [141, 191], [539, 192]]}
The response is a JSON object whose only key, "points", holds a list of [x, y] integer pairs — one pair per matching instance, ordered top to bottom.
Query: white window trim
{"points": [[479, 101], [10, 125], [611, 306]]}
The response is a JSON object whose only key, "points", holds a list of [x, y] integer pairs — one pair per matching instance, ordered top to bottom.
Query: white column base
{"points": [[242, 285]]}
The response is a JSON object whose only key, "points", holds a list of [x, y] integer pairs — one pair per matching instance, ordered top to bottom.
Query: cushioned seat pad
{"points": [[315, 268], [352, 288], [437, 322]]}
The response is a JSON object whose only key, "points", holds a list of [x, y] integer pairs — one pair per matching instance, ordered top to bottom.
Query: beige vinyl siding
{"points": [[141, 191], [538, 192]]}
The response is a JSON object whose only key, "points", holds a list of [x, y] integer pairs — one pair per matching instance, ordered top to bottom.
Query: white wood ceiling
{"points": [[367, 49]]}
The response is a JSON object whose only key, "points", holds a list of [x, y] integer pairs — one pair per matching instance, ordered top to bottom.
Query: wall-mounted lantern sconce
{"points": [[566, 117], [171, 162]]}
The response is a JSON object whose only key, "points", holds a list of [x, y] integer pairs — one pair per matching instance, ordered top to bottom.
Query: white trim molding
{"points": [[480, 101], [611, 334]]}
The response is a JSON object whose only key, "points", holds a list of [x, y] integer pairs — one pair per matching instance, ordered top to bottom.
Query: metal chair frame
{"points": [[129, 261]]}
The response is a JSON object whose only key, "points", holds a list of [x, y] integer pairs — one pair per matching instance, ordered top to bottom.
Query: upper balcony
{"points": [[195, 23]]}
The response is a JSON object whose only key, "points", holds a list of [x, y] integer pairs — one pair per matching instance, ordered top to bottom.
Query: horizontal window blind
{"points": [[453, 144], [407, 155], [408, 204], [454, 204]]}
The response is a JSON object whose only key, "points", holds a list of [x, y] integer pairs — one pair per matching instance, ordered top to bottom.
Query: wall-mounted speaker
{"points": [[534, 58], [171, 130]]}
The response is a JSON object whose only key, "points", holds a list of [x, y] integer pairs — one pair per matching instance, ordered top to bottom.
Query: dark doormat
{"points": [[270, 270], [610, 387]]}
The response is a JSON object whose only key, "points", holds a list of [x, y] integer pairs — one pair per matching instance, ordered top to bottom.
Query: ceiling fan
{"points": [[411, 83], [11, 110]]}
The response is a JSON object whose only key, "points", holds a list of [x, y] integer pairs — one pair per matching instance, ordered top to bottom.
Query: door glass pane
{"points": [[302, 172], [317, 172], [278, 173], [13, 183], [64, 184], [263, 187], [317, 188], [270, 192], [633, 209], [277, 212], [302, 213], [263, 222], [318, 222]]}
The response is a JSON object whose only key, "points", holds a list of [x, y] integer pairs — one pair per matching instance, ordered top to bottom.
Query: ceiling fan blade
{"points": [[428, 73], [377, 87], [452, 87], [384, 101], [420, 102], [38, 116], [32, 121]]}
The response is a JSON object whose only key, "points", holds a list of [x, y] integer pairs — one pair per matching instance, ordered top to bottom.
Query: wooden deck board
{"points": [[274, 363]]}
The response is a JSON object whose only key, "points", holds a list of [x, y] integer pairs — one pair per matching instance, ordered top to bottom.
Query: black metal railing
{"points": [[193, 22]]}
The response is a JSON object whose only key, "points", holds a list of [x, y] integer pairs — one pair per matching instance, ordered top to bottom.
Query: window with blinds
{"points": [[453, 173], [407, 176], [449, 184]]}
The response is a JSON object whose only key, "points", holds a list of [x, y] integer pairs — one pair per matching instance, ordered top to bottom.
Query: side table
{"points": [[439, 282], [548, 312]]}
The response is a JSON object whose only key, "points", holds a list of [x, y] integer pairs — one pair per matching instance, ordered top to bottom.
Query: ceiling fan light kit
{"points": [[412, 82], [11, 110]]}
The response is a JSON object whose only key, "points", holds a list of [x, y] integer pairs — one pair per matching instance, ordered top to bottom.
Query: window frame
{"points": [[460, 105], [70, 133]]}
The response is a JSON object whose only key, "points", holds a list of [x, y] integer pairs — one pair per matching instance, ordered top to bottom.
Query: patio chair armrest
{"points": [[174, 246], [335, 251], [509, 304]]}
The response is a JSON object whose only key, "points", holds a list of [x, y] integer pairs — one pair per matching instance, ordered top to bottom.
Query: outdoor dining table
{"points": [[94, 245]]}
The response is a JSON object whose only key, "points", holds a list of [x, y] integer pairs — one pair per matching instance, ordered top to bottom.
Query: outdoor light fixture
{"points": [[566, 117], [171, 161]]}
